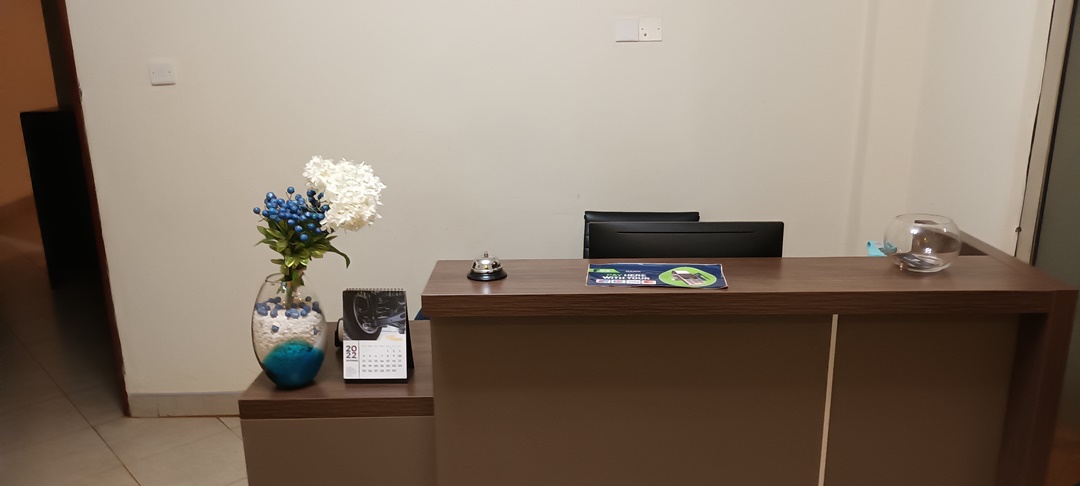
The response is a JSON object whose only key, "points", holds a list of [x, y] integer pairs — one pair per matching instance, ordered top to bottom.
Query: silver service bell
{"points": [[487, 268]]}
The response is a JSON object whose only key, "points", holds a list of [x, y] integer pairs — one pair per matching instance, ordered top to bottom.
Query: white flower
{"points": [[350, 189]]}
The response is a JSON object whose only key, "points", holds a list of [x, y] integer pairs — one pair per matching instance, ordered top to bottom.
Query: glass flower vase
{"points": [[922, 243], [288, 331]]}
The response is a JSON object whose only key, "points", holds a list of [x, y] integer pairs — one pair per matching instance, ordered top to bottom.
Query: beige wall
{"points": [[26, 84], [950, 97], [495, 124]]}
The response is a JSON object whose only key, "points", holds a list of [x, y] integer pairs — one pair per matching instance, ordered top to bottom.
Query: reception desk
{"points": [[806, 371]]}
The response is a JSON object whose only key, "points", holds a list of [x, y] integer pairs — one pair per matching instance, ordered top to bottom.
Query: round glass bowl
{"points": [[923, 243]]}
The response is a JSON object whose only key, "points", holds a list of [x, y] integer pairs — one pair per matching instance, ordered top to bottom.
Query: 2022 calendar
{"points": [[375, 342]]}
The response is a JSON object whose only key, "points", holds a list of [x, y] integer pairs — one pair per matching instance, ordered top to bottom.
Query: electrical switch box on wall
{"points": [[644, 29], [650, 29], [626, 30], [162, 74]]}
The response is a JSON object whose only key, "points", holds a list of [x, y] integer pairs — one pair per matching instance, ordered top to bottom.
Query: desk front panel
{"points": [[919, 399], [630, 400]]}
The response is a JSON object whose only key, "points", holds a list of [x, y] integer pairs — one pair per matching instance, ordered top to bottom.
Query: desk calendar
{"points": [[375, 341], [375, 360]]}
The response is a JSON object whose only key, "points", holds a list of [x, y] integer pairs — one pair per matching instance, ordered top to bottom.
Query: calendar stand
{"points": [[377, 343]]}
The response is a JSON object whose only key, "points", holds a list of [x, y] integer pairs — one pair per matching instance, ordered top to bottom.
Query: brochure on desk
{"points": [[683, 275]]}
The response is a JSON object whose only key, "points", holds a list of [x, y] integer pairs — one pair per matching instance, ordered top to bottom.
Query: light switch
{"points": [[650, 29], [626, 30], [162, 74]]}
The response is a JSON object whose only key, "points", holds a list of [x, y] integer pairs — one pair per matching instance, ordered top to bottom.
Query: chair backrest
{"points": [[618, 216], [687, 240]]}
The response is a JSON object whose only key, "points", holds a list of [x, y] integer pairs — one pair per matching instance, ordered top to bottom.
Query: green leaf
{"points": [[265, 231], [331, 249], [278, 261], [291, 261]]}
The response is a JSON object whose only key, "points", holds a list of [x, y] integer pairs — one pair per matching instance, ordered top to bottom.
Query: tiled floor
{"points": [[60, 415]]}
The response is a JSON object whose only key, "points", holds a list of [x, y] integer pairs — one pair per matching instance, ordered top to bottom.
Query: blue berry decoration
{"points": [[294, 224], [274, 328]]}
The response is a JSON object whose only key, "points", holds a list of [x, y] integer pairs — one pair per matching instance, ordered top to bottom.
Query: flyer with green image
{"points": [[685, 275]]}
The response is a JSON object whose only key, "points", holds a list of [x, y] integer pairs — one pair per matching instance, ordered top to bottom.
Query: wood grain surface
{"points": [[832, 285]]}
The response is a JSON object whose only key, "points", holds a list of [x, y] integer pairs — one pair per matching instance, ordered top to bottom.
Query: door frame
{"points": [[57, 27], [1042, 140]]}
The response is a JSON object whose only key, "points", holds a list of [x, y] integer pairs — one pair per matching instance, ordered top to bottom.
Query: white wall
{"points": [[951, 92], [980, 94], [494, 124]]}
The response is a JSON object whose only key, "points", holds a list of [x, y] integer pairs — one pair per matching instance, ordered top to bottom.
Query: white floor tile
{"points": [[14, 357], [73, 366], [25, 385], [99, 405], [39, 422], [230, 422], [137, 438], [64, 460], [217, 460], [118, 476]]}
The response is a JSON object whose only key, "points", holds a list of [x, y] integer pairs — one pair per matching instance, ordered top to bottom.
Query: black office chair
{"points": [[618, 216], [747, 239]]}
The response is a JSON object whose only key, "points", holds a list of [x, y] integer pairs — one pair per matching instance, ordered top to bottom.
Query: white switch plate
{"points": [[651, 29], [626, 30], [162, 74]]}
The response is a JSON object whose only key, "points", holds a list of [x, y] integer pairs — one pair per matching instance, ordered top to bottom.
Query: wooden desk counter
{"points": [[860, 285], [950, 378], [380, 433]]}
